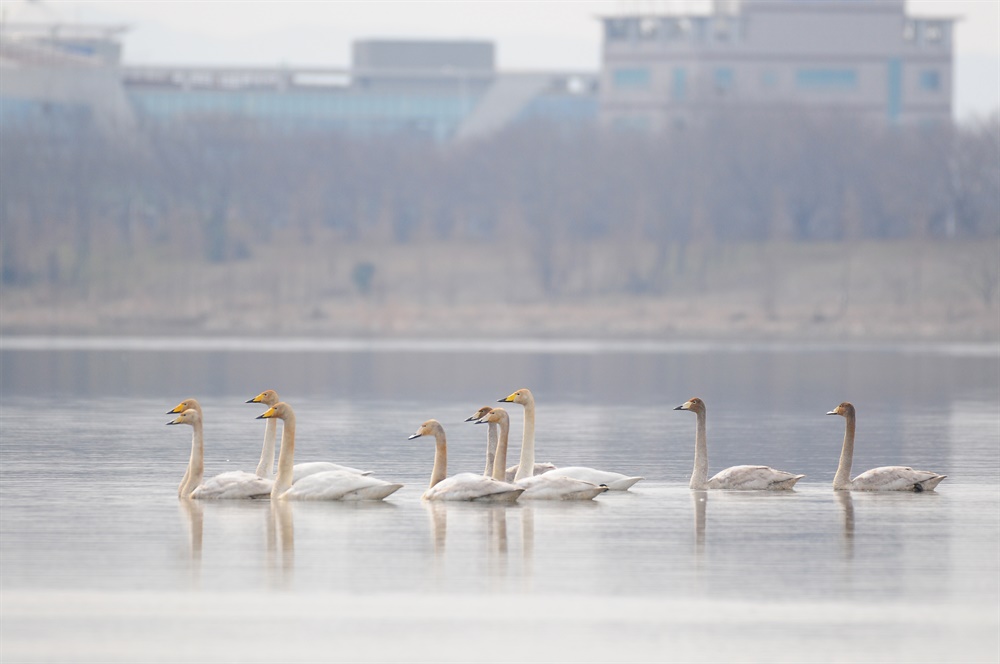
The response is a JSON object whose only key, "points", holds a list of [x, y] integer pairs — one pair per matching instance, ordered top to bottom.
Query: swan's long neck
{"points": [[491, 447], [286, 458], [440, 458], [500, 463], [196, 464], [526, 467], [265, 468], [699, 478], [842, 480]]}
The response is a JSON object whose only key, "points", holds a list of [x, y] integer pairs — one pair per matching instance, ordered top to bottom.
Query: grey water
{"points": [[99, 560]]}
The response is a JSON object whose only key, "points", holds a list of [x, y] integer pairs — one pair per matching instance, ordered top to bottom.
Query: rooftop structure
{"points": [[868, 58]]}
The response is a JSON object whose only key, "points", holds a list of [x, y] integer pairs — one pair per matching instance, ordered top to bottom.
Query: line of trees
{"points": [[74, 195]]}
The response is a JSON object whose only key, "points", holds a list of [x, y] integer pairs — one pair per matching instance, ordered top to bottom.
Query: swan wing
{"points": [[312, 467], [540, 468], [753, 478], [896, 478], [614, 481], [233, 485], [339, 485], [469, 486], [551, 487]]}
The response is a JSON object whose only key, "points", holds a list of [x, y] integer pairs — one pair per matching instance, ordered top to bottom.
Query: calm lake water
{"points": [[101, 562]]}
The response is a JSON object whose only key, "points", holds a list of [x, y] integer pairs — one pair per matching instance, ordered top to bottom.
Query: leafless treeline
{"points": [[71, 195]]}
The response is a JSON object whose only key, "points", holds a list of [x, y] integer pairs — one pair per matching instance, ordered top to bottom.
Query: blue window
{"points": [[633, 77], [723, 78], [826, 79], [930, 79], [678, 89], [894, 89]]}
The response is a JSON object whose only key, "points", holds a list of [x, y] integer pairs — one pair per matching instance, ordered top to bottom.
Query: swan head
{"points": [[522, 396], [267, 397], [187, 404], [693, 404], [845, 409], [280, 410], [479, 414], [189, 416], [495, 416], [428, 428]]}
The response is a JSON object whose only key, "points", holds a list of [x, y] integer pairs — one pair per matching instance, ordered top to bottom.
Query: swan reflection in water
{"points": [[699, 499], [846, 503], [193, 513], [493, 518], [280, 542]]}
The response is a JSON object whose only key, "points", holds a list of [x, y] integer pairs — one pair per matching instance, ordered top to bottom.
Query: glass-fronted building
{"points": [[868, 58]]}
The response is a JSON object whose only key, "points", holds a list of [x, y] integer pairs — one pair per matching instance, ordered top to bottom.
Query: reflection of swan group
{"points": [[498, 483]]}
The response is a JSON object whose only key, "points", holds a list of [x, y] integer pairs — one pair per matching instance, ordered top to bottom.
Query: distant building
{"points": [[866, 58], [443, 90]]}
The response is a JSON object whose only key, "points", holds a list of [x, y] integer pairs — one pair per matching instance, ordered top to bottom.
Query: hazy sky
{"points": [[529, 34]]}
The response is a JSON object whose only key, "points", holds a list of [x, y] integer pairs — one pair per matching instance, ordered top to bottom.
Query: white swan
{"points": [[491, 438], [265, 468], [742, 478], [886, 478], [614, 481], [232, 485], [327, 485], [464, 486], [546, 486]]}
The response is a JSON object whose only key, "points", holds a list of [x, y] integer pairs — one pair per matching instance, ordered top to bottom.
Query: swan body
{"points": [[527, 466], [265, 467], [540, 468], [303, 470], [736, 478], [885, 478], [614, 481], [232, 484], [235, 484], [325, 485], [463, 486], [473, 487], [537, 487]]}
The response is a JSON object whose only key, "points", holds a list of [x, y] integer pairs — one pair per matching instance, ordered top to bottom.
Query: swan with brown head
{"points": [[739, 478], [885, 478], [463, 486]]}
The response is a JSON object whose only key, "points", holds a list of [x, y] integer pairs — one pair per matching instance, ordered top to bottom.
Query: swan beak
{"points": [[256, 399], [507, 399], [683, 406], [179, 408], [833, 412], [267, 414], [471, 419], [173, 422], [479, 422], [416, 435]]}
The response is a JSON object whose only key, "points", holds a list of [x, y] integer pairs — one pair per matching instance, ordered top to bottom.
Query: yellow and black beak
{"points": [[256, 399], [508, 399], [179, 408], [267, 414], [176, 420]]}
